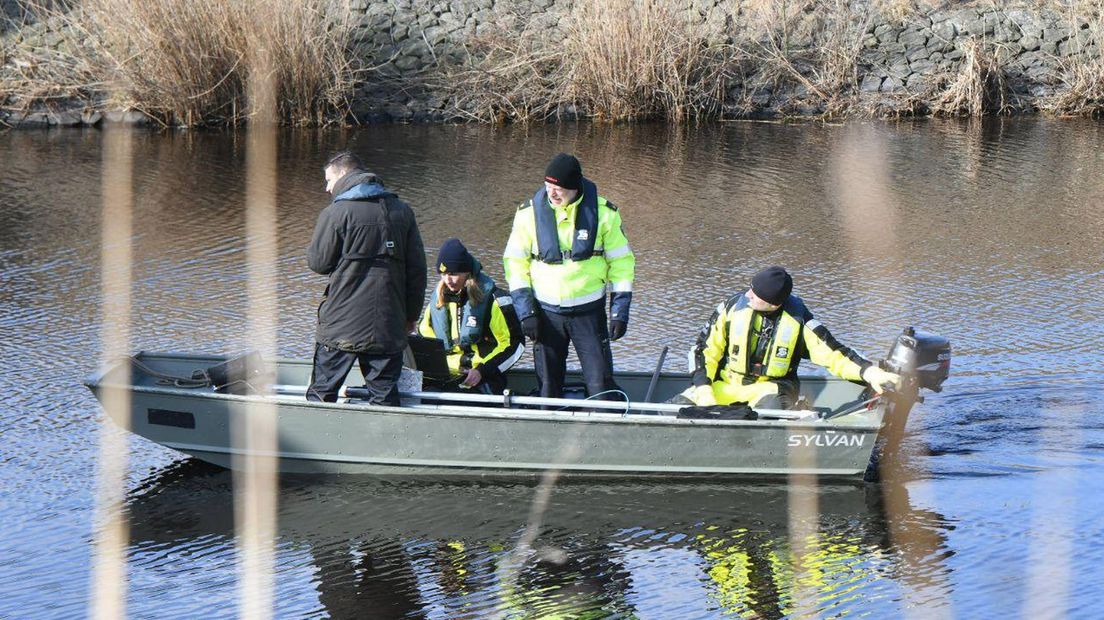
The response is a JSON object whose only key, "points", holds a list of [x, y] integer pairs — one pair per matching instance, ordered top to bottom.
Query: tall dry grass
{"points": [[902, 10], [808, 48], [642, 58], [632, 59], [613, 60], [187, 62], [36, 73], [1080, 76], [980, 87], [1082, 91]]}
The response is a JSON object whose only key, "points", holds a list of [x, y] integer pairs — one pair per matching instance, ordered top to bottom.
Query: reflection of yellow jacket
{"points": [[570, 285], [728, 347], [826, 570]]}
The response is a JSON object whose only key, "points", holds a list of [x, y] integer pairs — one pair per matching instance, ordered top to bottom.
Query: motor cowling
{"points": [[922, 359]]}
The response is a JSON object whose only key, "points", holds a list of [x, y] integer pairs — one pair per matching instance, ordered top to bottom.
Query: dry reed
{"points": [[900, 11], [808, 49], [633, 59], [642, 59], [613, 60], [186, 62], [38, 73], [1080, 75], [979, 88]]}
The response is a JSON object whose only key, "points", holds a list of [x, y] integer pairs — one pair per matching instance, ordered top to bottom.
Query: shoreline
{"points": [[495, 61]]}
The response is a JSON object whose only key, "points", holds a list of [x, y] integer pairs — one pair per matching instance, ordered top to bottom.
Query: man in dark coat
{"points": [[368, 243]]}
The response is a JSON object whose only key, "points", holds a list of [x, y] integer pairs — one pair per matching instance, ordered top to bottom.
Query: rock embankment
{"points": [[813, 61]]}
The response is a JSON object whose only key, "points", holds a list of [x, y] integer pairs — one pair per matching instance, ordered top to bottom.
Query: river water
{"points": [[988, 233]]}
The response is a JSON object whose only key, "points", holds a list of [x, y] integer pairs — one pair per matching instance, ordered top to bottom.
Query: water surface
{"points": [[989, 234]]}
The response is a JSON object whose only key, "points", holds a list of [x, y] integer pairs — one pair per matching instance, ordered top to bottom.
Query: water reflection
{"points": [[425, 549]]}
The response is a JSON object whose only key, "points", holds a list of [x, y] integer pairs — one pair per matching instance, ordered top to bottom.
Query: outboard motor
{"points": [[923, 360]]}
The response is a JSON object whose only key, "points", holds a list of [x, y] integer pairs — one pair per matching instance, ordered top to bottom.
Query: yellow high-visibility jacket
{"points": [[569, 268], [487, 336], [727, 345]]}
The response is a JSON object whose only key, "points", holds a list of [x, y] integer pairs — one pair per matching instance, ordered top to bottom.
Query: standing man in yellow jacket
{"points": [[566, 250], [749, 350]]}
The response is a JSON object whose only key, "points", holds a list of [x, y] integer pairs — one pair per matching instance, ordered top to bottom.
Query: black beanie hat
{"points": [[564, 170], [454, 257], [772, 285]]}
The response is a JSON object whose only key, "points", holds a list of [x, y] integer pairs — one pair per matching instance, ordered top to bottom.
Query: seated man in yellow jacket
{"points": [[474, 319], [749, 350]]}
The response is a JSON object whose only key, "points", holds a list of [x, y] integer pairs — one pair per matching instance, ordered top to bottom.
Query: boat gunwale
{"points": [[501, 414]]}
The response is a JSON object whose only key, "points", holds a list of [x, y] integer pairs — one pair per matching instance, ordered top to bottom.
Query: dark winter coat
{"points": [[368, 242]]}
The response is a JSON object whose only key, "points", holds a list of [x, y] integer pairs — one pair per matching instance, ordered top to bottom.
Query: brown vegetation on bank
{"points": [[619, 59], [635, 59], [187, 62], [824, 75], [1082, 76], [978, 89]]}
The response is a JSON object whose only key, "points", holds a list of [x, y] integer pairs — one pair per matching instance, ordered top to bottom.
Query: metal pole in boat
{"points": [[655, 375], [507, 400], [543, 401]]}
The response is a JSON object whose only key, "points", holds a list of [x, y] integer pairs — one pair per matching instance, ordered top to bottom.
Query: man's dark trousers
{"points": [[590, 335], [331, 366]]}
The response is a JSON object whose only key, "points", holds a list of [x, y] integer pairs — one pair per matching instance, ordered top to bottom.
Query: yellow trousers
{"points": [[728, 393]]}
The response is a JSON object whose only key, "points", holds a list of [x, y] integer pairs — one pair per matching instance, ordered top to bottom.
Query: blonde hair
{"points": [[471, 287]]}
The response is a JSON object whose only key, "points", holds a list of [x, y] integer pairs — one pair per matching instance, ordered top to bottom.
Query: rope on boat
{"points": [[628, 405]]}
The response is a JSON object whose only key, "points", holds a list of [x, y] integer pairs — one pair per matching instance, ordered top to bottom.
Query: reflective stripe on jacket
{"points": [[570, 285], [722, 351]]}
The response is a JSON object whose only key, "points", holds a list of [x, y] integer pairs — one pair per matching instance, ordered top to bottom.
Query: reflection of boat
{"points": [[444, 434], [196, 499], [479, 548]]}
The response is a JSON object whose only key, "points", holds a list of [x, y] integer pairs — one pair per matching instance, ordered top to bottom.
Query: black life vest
{"points": [[586, 228], [473, 317]]}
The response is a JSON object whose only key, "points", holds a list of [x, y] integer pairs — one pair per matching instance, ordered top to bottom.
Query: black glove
{"points": [[529, 327], [617, 329]]}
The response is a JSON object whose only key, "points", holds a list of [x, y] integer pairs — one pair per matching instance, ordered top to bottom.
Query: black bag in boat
{"points": [[241, 375], [736, 411]]}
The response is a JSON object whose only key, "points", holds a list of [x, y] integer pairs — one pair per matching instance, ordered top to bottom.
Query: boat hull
{"points": [[459, 441]]}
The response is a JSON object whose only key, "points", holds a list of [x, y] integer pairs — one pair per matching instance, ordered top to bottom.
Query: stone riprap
{"points": [[899, 64]]}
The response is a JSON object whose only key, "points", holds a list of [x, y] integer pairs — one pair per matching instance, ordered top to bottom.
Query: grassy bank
{"points": [[618, 59], [632, 59], [187, 62]]}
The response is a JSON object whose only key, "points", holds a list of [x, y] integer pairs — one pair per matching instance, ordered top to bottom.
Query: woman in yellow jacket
{"points": [[475, 320]]}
